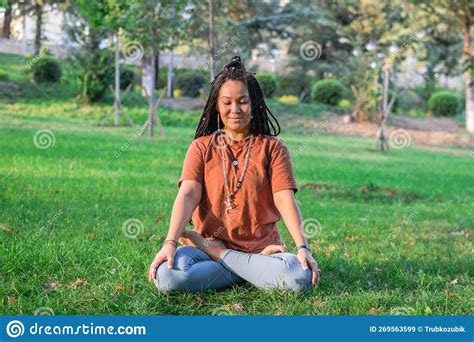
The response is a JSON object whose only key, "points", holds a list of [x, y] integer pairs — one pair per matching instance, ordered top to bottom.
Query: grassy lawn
{"points": [[396, 228]]}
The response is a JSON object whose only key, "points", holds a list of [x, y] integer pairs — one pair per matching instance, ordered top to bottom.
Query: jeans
{"points": [[193, 270]]}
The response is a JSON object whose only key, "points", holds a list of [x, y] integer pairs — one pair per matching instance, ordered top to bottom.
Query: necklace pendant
{"points": [[235, 162], [228, 205]]}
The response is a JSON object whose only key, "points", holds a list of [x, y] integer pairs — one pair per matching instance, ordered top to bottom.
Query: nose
{"points": [[235, 108]]}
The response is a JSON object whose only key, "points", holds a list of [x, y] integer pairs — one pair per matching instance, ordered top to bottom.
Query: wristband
{"points": [[174, 242], [303, 246]]}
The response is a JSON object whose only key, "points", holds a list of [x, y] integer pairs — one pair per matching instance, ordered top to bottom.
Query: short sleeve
{"points": [[193, 165], [280, 169]]}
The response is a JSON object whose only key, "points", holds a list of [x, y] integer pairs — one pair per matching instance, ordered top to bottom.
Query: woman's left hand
{"points": [[306, 259]]}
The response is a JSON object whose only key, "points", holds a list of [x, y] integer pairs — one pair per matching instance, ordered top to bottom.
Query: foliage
{"points": [[46, 69], [127, 77], [268, 82], [190, 83], [328, 91], [288, 99], [444, 103]]}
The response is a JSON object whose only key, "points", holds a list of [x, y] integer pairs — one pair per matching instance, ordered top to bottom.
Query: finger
{"points": [[282, 249], [170, 258], [304, 264], [154, 266], [314, 271], [314, 277]]}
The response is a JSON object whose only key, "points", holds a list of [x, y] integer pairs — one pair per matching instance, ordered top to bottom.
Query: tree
{"points": [[36, 8], [115, 11], [443, 17], [7, 19], [151, 26], [237, 29], [87, 31]]}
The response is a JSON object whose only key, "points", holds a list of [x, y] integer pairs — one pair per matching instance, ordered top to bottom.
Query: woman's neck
{"points": [[237, 135]]}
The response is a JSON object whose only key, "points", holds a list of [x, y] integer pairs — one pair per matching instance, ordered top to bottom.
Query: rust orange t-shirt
{"points": [[251, 225]]}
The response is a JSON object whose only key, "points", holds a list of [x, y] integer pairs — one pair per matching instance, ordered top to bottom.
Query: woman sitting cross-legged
{"points": [[236, 184]]}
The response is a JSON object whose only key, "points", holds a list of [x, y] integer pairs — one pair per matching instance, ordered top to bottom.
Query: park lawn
{"points": [[395, 229]]}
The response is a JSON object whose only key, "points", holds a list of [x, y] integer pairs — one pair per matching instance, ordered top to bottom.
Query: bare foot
{"points": [[213, 248], [272, 249]]}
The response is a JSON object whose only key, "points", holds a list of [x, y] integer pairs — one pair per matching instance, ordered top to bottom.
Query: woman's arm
{"points": [[186, 201], [286, 204]]}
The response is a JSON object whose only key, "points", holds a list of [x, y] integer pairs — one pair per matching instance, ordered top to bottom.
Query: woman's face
{"points": [[233, 104]]}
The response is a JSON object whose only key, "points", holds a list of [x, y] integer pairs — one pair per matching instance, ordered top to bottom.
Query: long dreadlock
{"points": [[260, 124]]}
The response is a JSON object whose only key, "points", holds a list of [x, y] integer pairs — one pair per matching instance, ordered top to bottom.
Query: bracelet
{"points": [[174, 242], [303, 246]]}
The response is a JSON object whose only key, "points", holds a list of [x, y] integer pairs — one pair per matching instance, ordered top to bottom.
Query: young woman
{"points": [[238, 182]]}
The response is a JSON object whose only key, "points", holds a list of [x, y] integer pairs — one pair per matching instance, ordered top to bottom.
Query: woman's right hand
{"points": [[166, 252]]}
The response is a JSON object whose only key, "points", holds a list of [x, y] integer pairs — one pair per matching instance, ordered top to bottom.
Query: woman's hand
{"points": [[272, 249], [166, 252], [307, 260]]}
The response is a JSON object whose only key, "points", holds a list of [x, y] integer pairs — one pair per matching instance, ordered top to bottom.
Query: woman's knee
{"points": [[294, 277], [177, 278], [170, 279]]}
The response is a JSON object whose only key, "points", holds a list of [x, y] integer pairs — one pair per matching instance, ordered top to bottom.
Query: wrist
{"points": [[171, 242], [303, 247]]}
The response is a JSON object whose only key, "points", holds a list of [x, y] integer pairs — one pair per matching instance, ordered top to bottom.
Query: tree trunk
{"points": [[212, 8], [7, 20], [39, 27], [157, 73], [147, 74], [170, 75], [468, 79], [117, 81], [148, 83], [152, 90], [384, 110]]}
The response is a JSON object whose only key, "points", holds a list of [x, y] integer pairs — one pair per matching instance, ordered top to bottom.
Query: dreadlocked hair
{"points": [[260, 124]]}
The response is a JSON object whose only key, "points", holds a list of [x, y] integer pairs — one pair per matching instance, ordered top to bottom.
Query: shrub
{"points": [[46, 69], [4, 76], [95, 76], [127, 77], [162, 77], [268, 82], [190, 83], [295, 83], [328, 91], [177, 93], [288, 99], [407, 101], [443, 103], [344, 104]]}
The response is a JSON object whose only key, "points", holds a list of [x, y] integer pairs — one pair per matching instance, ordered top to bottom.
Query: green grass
{"points": [[396, 228]]}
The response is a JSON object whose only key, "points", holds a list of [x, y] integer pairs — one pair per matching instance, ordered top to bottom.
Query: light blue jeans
{"points": [[193, 270]]}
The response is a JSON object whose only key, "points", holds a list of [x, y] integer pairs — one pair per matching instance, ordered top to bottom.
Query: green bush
{"points": [[46, 69], [96, 75], [4, 76], [127, 77], [162, 77], [268, 82], [190, 83], [294, 83], [328, 91], [407, 101], [443, 103], [345, 104]]}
